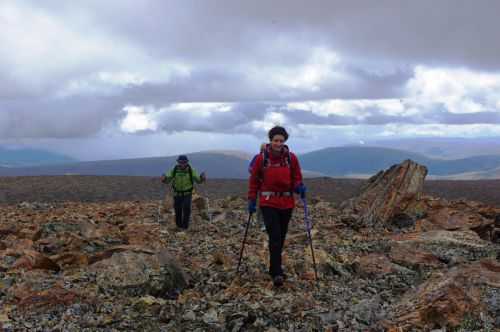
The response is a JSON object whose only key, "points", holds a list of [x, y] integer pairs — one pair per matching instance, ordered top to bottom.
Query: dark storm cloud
{"points": [[447, 32], [219, 85], [78, 117]]}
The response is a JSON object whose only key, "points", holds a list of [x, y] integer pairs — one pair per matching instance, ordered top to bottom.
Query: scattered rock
{"points": [[389, 259]]}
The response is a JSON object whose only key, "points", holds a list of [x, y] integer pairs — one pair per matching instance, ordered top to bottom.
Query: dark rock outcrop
{"points": [[389, 198]]}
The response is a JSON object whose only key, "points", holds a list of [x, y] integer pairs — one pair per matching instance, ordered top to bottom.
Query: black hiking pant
{"points": [[182, 207], [276, 221]]}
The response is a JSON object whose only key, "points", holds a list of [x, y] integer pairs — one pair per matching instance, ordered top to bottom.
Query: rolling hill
{"points": [[444, 147], [30, 157], [363, 161], [335, 162], [217, 165]]}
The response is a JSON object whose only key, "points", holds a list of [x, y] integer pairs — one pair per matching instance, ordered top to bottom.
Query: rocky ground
{"points": [[76, 188], [389, 259]]}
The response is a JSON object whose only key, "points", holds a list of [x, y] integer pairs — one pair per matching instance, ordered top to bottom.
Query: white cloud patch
{"points": [[322, 65], [113, 83], [460, 90], [202, 109], [359, 109], [138, 119], [440, 130]]}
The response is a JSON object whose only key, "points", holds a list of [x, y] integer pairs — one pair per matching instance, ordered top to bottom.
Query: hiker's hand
{"points": [[203, 177], [163, 178], [301, 190], [252, 206]]}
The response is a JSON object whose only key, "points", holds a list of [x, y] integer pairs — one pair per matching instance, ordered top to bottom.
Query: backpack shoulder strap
{"points": [[265, 159], [264, 163], [290, 165], [190, 174]]}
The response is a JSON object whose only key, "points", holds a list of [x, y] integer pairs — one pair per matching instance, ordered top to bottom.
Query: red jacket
{"points": [[277, 177]]}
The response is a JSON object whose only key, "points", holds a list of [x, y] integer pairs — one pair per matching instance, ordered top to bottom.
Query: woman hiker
{"points": [[275, 176]]}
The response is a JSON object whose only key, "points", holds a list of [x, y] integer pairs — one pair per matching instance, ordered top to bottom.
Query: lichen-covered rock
{"points": [[388, 195], [450, 247], [139, 274], [448, 298]]}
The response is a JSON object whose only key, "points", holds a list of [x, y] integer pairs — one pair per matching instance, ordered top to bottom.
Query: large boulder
{"points": [[389, 198], [458, 215], [438, 247], [138, 274], [453, 299]]}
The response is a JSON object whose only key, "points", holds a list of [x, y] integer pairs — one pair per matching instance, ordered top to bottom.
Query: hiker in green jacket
{"points": [[182, 177]]}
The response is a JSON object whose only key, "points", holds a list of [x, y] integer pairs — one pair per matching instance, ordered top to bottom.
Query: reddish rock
{"points": [[458, 215], [454, 219], [32, 233], [140, 234], [413, 256], [70, 259], [31, 260], [373, 265], [47, 299], [445, 299]]}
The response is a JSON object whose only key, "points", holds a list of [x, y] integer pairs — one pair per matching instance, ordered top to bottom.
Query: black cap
{"points": [[182, 158]]}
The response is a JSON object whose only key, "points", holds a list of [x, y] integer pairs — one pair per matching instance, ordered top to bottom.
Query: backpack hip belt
{"points": [[276, 193]]}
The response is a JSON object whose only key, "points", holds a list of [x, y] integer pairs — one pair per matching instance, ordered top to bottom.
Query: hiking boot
{"points": [[278, 281]]}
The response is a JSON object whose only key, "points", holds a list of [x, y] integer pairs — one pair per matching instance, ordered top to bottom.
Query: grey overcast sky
{"points": [[120, 78]]}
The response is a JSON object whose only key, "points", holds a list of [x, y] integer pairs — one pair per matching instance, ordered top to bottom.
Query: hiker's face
{"points": [[277, 142], [182, 164]]}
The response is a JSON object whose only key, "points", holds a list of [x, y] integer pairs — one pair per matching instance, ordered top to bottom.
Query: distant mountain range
{"points": [[444, 147], [30, 157], [351, 161], [366, 161], [217, 165]]}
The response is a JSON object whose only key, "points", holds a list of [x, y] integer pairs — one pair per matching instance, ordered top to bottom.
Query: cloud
{"points": [[96, 68], [460, 90], [137, 120]]}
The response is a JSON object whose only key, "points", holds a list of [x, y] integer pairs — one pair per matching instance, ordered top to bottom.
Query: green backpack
{"points": [[190, 170]]}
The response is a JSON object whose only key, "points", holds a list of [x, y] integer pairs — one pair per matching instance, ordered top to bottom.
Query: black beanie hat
{"points": [[182, 158]]}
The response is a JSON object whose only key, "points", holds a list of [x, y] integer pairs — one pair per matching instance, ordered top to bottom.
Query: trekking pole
{"points": [[208, 211], [159, 212], [158, 216], [308, 225], [244, 240]]}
